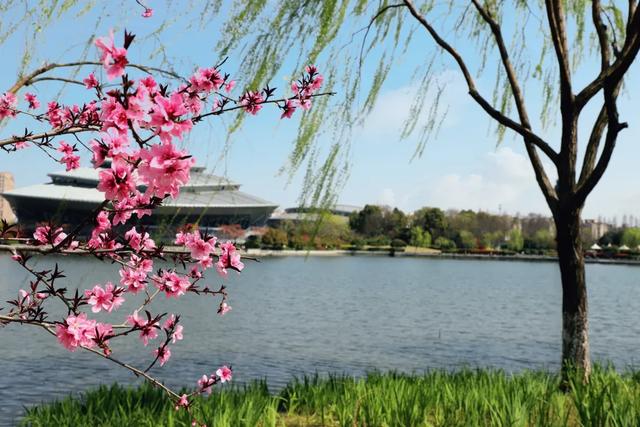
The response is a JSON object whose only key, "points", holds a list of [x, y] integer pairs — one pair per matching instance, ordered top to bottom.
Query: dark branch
{"points": [[557, 27], [617, 70], [30, 78], [530, 138]]}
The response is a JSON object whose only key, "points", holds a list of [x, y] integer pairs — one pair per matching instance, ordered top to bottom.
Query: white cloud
{"points": [[503, 180]]}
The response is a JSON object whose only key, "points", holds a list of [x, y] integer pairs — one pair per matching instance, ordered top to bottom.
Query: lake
{"points": [[295, 316]]}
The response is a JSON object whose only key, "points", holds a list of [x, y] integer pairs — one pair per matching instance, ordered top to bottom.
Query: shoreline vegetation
{"points": [[408, 251], [436, 398]]}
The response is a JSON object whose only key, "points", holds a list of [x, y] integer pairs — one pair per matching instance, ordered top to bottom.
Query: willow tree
{"points": [[507, 34], [536, 47]]}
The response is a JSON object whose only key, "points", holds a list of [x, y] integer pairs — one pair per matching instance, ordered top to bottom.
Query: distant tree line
{"points": [[429, 227], [465, 230]]}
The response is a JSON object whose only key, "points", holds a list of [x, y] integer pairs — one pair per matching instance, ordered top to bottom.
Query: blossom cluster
{"points": [[136, 126]]}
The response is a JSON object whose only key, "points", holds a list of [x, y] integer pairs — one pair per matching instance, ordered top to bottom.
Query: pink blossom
{"points": [[148, 12], [114, 59], [206, 80], [90, 81], [149, 83], [317, 83], [229, 86], [32, 100], [252, 102], [8, 103], [305, 103], [288, 109], [56, 115], [113, 115], [166, 117], [116, 141], [20, 145], [65, 148], [100, 152], [69, 159], [71, 162], [164, 169], [117, 182], [123, 210], [102, 221], [45, 235], [139, 241], [201, 249], [16, 257], [228, 258], [143, 264], [195, 273], [134, 279], [171, 283], [25, 297], [107, 298], [224, 309], [135, 320], [169, 324], [76, 331], [104, 331], [148, 331], [177, 334], [163, 353], [224, 373], [204, 384], [183, 402]]}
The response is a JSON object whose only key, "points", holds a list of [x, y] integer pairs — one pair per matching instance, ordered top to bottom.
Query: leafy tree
{"points": [[431, 219], [368, 222], [396, 223], [419, 237], [612, 237], [631, 237], [275, 238], [466, 240], [516, 240], [541, 240], [444, 243]]}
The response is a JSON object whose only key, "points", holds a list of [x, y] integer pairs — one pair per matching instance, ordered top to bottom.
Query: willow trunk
{"points": [[575, 323]]}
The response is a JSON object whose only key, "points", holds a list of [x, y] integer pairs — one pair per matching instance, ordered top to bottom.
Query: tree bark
{"points": [[575, 323]]}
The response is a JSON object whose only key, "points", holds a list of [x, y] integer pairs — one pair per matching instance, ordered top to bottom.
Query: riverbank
{"points": [[262, 253], [431, 253], [437, 398]]}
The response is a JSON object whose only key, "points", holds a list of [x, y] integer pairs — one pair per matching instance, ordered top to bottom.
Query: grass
{"points": [[438, 398]]}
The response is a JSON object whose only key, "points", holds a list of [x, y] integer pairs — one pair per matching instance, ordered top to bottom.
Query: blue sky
{"points": [[461, 168]]}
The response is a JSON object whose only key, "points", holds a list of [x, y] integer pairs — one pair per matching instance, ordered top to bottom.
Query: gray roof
{"points": [[199, 179], [224, 198]]}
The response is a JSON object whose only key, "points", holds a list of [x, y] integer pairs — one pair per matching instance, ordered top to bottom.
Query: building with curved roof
{"points": [[208, 200]]}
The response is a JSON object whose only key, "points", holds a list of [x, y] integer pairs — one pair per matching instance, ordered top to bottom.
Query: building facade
{"points": [[6, 184], [207, 200]]}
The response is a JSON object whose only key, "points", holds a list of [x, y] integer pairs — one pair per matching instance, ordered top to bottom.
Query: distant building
{"points": [[6, 184], [208, 200], [299, 213], [595, 229]]}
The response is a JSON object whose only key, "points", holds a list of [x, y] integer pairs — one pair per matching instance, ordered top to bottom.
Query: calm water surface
{"points": [[295, 316]]}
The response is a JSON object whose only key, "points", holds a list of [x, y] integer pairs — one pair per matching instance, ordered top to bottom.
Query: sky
{"points": [[463, 168]]}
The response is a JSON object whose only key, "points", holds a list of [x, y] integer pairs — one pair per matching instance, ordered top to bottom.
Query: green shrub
{"points": [[398, 243]]}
